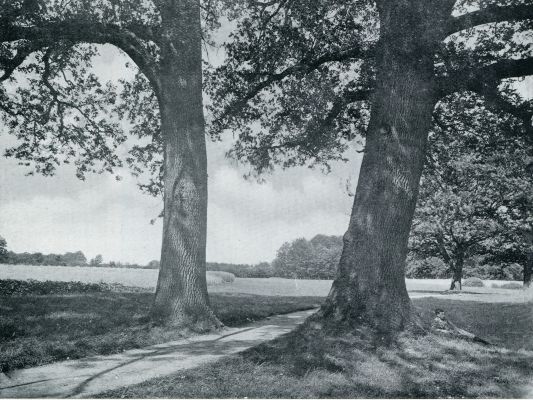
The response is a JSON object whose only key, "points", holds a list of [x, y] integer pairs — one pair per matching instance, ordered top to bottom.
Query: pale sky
{"points": [[247, 221]]}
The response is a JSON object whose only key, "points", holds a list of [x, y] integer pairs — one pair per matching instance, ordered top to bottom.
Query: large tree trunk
{"points": [[528, 269], [370, 284], [181, 296]]}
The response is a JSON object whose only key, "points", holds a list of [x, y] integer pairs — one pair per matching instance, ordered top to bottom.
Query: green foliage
{"points": [[317, 258]]}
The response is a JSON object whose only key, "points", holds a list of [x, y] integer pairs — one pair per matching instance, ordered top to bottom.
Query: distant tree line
{"points": [[76, 258], [71, 259], [309, 259], [317, 259], [261, 270]]}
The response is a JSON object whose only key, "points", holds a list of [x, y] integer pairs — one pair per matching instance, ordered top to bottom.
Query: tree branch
{"points": [[490, 14], [78, 31], [9, 65], [304, 66], [480, 79]]}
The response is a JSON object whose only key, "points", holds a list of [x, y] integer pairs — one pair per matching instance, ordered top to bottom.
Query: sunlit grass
{"points": [[37, 330], [312, 365]]}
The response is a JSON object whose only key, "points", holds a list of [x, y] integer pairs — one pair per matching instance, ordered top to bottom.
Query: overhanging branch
{"points": [[490, 14], [77, 31], [9, 65], [304, 66], [479, 79], [485, 81]]}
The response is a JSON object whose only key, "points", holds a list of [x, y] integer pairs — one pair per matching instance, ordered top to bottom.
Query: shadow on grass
{"points": [[36, 330], [308, 364]]}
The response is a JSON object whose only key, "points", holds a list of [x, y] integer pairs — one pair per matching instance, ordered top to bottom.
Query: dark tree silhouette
{"points": [[304, 78], [61, 112], [475, 193]]}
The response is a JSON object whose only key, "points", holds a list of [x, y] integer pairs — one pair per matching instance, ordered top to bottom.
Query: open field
{"points": [[147, 278], [36, 330], [317, 366]]}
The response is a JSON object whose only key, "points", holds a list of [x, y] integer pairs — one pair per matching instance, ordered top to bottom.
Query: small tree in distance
{"points": [[304, 78], [473, 191], [3, 250], [313, 259], [97, 260]]}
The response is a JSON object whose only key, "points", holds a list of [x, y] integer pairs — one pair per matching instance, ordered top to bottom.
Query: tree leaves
{"points": [[475, 194]]}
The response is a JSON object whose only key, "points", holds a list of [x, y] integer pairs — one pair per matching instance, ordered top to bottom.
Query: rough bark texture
{"points": [[528, 269], [370, 284], [181, 295]]}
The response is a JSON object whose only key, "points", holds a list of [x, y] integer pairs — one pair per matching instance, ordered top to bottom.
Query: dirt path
{"points": [[88, 376]]}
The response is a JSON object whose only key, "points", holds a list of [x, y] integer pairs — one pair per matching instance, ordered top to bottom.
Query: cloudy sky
{"points": [[247, 221]]}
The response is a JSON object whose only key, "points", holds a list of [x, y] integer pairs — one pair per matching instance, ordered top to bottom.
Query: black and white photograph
{"points": [[266, 199]]}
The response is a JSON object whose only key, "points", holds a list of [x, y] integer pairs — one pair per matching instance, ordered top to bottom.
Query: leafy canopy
{"points": [[297, 82], [57, 106], [476, 191]]}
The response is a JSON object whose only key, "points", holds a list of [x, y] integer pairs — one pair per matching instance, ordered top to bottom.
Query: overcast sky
{"points": [[247, 221]]}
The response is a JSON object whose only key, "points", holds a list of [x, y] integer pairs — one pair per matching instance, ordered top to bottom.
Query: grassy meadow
{"points": [[133, 277], [44, 322], [41, 329], [316, 366]]}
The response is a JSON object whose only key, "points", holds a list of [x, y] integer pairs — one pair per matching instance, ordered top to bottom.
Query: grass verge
{"points": [[41, 329], [316, 366]]}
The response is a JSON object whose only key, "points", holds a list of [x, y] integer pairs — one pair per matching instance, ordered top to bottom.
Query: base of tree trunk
{"points": [[456, 285], [194, 321], [366, 326]]}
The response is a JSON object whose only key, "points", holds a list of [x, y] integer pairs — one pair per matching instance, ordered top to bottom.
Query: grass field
{"points": [[145, 278], [42, 329], [37, 330], [315, 366]]}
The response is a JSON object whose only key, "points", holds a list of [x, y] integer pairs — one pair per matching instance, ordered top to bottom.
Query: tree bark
{"points": [[457, 269], [528, 269], [369, 288], [181, 296]]}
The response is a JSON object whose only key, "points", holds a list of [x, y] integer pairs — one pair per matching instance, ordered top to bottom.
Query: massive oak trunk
{"points": [[370, 284], [181, 296]]}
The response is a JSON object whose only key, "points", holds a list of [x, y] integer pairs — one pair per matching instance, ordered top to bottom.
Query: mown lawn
{"points": [[40, 329], [315, 366]]}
